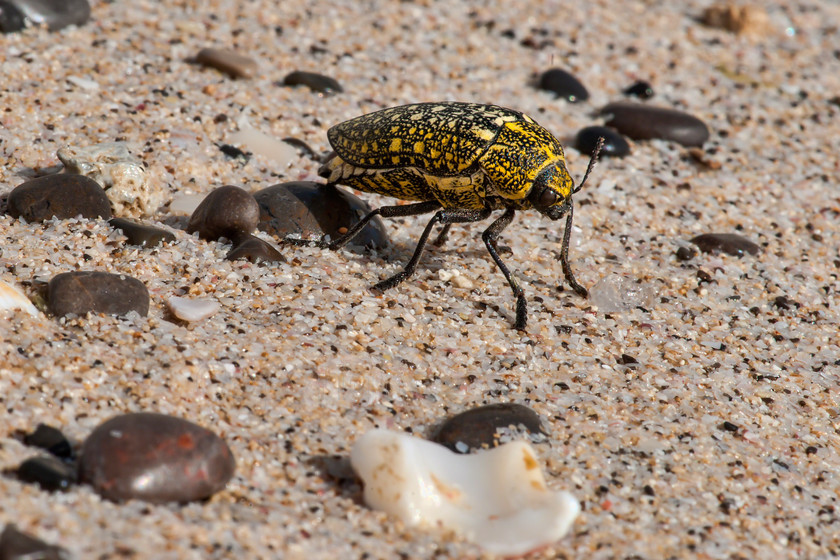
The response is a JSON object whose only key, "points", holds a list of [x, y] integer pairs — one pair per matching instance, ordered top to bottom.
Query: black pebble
{"points": [[56, 14], [316, 82], [563, 84], [641, 89], [643, 122], [614, 143], [234, 152], [62, 196], [228, 211], [142, 234], [729, 243], [255, 250], [685, 254], [97, 292], [477, 428], [50, 439], [50, 473], [17, 545]]}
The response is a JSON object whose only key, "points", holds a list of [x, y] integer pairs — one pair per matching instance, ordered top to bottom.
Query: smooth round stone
{"points": [[56, 14], [228, 61], [314, 81], [563, 84], [640, 89], [643, 122], [614, 143], [62, 196], [312, 210], [228, 211], [142, 234], [729, 243], [255, 250], [685, 254], [97, 292], [480, 427], [50, 439], [156, 458], [50, 473], [17, 545]]}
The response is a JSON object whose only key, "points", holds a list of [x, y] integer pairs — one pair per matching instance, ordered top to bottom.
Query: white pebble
{"points": [[12, 298], [188, 309]]}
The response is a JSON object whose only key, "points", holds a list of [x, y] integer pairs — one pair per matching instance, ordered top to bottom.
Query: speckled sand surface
{"points": [[302, 358]]}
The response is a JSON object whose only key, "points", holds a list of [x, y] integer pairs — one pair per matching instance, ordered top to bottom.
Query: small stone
{"points": [[55, 14], [743, 20], [228, 61], [316, 82], [563, 84], [640, 89], [643, 122], [259, 143], [614, 143], [118, 172], [61, 196], [308, 209], [228, 211], [142, 234], [729, 243], [255, 250], [685, 254], [97, 292], [620, 293], [193, 309], [489, 426], [52, 440], [156, 458], [50, 473], [17, 545]]}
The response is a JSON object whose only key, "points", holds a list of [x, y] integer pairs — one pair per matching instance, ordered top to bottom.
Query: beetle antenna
{"points": [[595, 153]]}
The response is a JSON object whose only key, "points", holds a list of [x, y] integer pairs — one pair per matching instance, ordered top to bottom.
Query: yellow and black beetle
{"points": [[461, 161]]}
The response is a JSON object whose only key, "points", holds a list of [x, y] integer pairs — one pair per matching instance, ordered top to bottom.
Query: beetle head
{"points": [[551, 193]]}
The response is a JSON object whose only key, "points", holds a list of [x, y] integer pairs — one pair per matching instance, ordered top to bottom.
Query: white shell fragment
{"points": [[256, 141], [118, 172], [12, 298], [188, 309], [496, 498]]}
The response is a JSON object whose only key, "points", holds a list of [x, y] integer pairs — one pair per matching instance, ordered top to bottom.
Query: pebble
{"points": [[56, 14], [750, 20], [228, 61], [314, 81], [563, 84], [640, 89], [643, 122], [259, 143], [614, 143], [121, 174], [62, 196], [308, 209], [228, 211], [142, 234], [729, 243], [255, 250], [685, 254], [83, 292], [620, 293], [12, 298], [192, 309], [488, 426], [50, 439], [156, 458], [49, 472], [17, 545]]}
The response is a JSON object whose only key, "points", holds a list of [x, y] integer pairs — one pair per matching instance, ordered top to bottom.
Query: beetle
{"points": [[461, 161]]}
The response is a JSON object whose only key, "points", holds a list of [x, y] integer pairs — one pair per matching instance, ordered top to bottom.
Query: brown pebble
{"points": [[743, 20], [228, 61], [644, 122], [62, 196], [228, 211], [141, 234], [729, 243], [255, 250], [97, 292], [478, 427], [17, 545]]}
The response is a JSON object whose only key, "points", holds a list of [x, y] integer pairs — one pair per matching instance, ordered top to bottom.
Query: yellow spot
{"points": [[412, 130], [485, 134], [396, 144], [418, 147], [364, 148], [395, 160], [530, 462]]}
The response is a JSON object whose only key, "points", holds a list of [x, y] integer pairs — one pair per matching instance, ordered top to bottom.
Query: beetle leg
{"points": [[445, 217], [442, 236], [490, 237], [564, 257]]}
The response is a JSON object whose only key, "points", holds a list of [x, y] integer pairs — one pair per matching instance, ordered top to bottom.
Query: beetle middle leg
{"points": [[490, 237]]}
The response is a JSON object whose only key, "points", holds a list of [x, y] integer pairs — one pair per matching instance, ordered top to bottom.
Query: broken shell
{"points": [[12, 298], [188, 309], [496, 498]]}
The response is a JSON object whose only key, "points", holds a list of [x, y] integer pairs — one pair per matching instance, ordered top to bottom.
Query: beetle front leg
{"points": [[490, 237], [564, 257]]}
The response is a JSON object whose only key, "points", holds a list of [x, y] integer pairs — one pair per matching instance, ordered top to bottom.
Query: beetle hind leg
{"points": [[490, 237]]}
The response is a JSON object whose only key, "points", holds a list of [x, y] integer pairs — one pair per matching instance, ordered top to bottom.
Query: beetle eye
{"points": [[547, 198]]}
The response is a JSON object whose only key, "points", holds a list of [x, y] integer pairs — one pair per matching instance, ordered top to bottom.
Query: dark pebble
{"points": [[56, 14], [228, 61], [316, 82], [563, 84], [641, 89], [643, 122], [614, 143], [234, 152], [62, 196], [310, 209], [228, 211], [142, 234], [729, 243], [255, 250], [685, 254], [96, 292], [477, 428], [50, 439], [156, 458], [50, 473], [17, 545]]}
